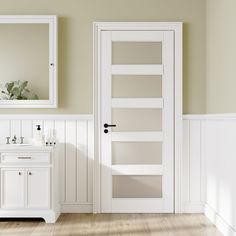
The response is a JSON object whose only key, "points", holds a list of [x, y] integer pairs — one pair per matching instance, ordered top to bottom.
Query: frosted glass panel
{"points": [[136, 53], [137, 86], [137, 119], [136, 153], [137, 187]]}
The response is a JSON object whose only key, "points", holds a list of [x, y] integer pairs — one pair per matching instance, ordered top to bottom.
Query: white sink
{"points": [[17, 144], [23, 144]]}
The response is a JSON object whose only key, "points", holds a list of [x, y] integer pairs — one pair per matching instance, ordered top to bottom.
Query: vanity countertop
{"points": [[25, 147]]}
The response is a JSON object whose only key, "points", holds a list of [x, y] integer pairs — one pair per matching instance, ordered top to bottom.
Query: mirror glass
{"points": [[24, 61], [28, 62]]}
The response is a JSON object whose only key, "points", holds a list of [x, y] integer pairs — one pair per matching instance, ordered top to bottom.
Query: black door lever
{"points": [[106, 125]]}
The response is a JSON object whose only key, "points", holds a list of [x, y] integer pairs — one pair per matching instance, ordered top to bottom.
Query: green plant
{"points": [[16, 90]]}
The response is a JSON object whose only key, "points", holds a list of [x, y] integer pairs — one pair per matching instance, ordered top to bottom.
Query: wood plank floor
{"points": [[112, 224]]}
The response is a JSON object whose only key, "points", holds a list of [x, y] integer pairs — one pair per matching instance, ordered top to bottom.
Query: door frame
{"points": [[177, 28]]}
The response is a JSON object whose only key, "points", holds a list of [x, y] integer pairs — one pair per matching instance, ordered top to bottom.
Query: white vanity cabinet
{"points": [[29, 182]]}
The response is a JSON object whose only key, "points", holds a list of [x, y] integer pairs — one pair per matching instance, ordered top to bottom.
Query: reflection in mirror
{"points": [[24, 61]]}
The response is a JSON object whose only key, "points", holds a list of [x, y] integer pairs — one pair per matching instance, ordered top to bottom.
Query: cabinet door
{"points": [[12, 188], [38, 188]]}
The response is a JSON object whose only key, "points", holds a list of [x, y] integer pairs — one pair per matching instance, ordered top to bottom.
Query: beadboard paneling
{"points": [[75, 141], [220, 154], [209, 168], [192, 179]]}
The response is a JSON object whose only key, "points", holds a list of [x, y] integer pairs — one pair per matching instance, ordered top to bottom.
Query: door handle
{"points": [[106, 125]]}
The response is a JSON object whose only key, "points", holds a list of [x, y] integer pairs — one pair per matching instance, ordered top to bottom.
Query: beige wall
{"points": [[75, 43], [221, 56]]}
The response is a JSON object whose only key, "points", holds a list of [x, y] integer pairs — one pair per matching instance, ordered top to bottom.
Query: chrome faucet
{"points": [[14, 139], [8, 140], [21, 140]]}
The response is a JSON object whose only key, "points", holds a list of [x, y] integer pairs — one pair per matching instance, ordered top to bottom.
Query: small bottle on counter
{"points": [[38, 135], [50, 138]]}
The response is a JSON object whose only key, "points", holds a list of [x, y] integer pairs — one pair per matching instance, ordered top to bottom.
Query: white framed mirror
{"points": [[28, 61]]}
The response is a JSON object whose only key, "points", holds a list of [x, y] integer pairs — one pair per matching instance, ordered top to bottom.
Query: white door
{"points": [[137, 95], [12, 188], [38, 188]]}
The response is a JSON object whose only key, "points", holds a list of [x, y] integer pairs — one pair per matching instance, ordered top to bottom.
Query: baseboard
{"points": [[190, 207], [76, 208], [219, 222]]}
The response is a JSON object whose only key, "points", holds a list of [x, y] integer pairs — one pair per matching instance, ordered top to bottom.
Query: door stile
{"points": [[168, 121], [106, 171]]}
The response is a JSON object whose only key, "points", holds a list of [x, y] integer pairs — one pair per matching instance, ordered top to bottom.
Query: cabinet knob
{"points": [[19, 173], [30, 173]]}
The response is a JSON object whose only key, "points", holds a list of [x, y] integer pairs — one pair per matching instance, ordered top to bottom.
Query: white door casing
{"points": [[170, 36]]}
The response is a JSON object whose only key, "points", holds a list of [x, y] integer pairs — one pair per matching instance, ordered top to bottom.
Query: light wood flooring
{"points": [[112, 224]]}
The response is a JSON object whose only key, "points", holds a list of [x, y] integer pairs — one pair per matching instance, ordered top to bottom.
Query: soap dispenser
{"points": [[38, 135]]}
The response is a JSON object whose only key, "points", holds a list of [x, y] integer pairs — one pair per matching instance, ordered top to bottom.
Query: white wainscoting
{"points": [[75, 140], [209, 161], [209, 168], [193, 188]]}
